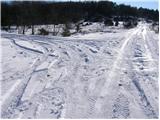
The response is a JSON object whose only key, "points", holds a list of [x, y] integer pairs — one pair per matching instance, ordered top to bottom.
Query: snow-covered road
{"points": [[113, 75]]}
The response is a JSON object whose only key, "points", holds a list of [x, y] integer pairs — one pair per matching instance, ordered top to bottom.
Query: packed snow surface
{"points": [[96, 75]]}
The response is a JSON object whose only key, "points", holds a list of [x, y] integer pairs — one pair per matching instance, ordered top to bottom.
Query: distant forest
{"points": [[38, 13]]}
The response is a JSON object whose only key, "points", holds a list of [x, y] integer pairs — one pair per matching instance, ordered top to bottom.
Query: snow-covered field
{"points": [[97, 75]]}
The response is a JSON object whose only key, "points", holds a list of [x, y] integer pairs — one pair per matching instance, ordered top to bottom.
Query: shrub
{"points": [[108, 22], [130, 22], [116, 23], [135, 23], [127, 24], [155, 27], [5, 28], [78, 28], [42, 31], [66, 31]]}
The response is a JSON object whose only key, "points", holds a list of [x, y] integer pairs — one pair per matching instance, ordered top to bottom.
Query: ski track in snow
{"points": [[112, 77]]}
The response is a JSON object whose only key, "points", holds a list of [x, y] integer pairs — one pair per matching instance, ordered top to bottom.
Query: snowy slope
{"points": [[96, 75]]}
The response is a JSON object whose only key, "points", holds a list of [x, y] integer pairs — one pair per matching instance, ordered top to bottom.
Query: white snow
{"points": [[102, 72]]}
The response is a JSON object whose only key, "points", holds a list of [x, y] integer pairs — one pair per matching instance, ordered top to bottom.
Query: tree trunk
{"points": [[17, 26], [9, 27], [23, 29], [32, 29], [54, 32]]}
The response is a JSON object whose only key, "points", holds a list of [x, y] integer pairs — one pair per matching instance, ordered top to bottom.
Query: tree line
{"points": [[30, 13]]}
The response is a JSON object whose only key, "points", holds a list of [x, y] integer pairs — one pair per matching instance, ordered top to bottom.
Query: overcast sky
{"points": [[151, 4]]}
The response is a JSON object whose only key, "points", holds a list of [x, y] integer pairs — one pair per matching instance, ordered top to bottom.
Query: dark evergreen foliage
{"points": [[35, 12]]}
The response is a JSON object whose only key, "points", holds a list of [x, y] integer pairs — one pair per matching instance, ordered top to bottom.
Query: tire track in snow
{"points": [[27, 48], [30, 49], [149, 55], [36, 63], [110, 77], [105, 87], [18, 90], [10, 91], [16, 94], [142, 96], [92, 99], [144, 102], [121, 107]]}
